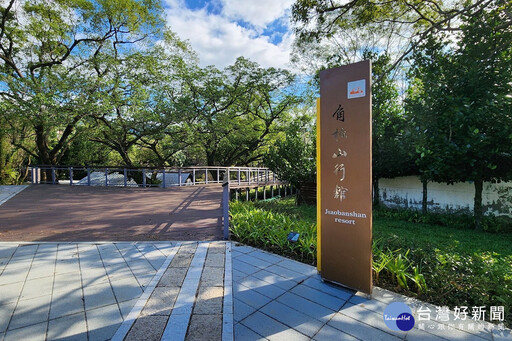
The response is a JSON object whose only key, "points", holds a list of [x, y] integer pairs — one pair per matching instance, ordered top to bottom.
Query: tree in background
{"points": [[339, 31], [51, 76], [462, 105], [233, 114], [391, 156], [293, 157]]}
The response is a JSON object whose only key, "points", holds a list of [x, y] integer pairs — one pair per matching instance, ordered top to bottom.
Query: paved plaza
{"points": [[192, 290]]}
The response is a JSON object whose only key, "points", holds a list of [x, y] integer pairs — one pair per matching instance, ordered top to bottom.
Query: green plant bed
{"points": [[444, 265]]}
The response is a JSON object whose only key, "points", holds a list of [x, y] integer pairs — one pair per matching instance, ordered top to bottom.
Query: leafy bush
{"points": [[439, 264]]}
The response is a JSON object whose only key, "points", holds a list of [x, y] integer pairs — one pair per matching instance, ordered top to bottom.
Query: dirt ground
{"points": [[81, 213]]}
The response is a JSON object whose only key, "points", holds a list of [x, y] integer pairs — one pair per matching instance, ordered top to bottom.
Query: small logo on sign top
{"points": [[356, 89]]}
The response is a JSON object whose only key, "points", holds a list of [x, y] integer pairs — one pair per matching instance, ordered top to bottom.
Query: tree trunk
{"points": [[376, 194], [424, 200], [477, 209]]}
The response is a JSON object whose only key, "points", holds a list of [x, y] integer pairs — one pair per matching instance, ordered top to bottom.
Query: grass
{"points": [[445, 264]]}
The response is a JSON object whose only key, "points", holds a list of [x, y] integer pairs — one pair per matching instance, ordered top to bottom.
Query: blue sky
{"points": [[222, 30]]}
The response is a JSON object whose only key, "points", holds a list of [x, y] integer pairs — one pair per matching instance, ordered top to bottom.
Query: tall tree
{"points": [[338, 30], [51, 75], [462, 103], [231, 114], [390, 145]]}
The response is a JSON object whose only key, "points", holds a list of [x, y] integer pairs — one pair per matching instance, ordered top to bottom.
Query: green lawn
{"points": [[445, 265]]}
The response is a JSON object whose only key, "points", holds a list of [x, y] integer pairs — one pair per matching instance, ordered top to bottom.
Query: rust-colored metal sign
{"points": [[345, 123]]}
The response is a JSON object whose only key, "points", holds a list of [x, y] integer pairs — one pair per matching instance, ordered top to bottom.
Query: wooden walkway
{"points": [[83, 213]]}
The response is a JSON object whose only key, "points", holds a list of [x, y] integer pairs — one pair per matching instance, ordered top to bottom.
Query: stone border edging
{"points": [[227, 312], [125, 327]]}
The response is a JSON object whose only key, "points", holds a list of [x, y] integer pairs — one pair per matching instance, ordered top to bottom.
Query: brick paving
{"points": [[80, 213]]}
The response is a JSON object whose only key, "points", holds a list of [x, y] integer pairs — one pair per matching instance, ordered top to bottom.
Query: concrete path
{"points": [[7, 192], [193, 291]]}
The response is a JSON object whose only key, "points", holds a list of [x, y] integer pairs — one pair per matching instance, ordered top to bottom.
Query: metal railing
{"points": [[149, 176], [232, 179]]}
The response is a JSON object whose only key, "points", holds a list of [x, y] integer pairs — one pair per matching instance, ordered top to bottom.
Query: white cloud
{"points": [[256, 12], [219, 39]]}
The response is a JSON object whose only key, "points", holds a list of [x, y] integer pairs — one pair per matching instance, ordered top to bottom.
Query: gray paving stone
{"points": [[217, 247], [188, 248], [242, 248], [27, 249], [166, 249], [6, 251], [268, 257], [182, 260], [214, 260], [257, 262], [64, 266], [244, 267], [298, 267], [286, 273], [14, 274], [237, 275], [92, 277], [173, 277], [213, 277], [275, 279], [67, 283], [37, 287], [262, 287], [126, 289], [330, 289], [10, 292], [98, 296], [250, 297], [319, 297], [209, 300], [161, 301], [66, 303], [373, 305], [127, 306], [308, 307], [241, 310], [6, 311], [30, 312], [369, 317], [293, 318], [102, 323], [71, 327], [205, 327], [271, 329], [358, 329], [443, 331], [35, 332], [329, 333], [246, 334], [415, 334], [502, 335]]}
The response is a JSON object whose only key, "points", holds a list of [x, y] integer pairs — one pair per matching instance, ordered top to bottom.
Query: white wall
{"points": [[407, 192]]}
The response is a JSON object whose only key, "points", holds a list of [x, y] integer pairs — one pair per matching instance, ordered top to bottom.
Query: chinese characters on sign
{"points": [[340, 114], [344, 176], [462, 318]]}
